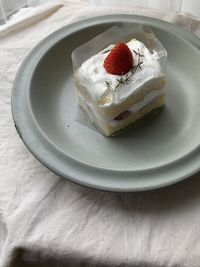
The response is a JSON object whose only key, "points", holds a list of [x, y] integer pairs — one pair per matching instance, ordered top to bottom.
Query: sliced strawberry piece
{"points": [[120, 60], [123, 115]]}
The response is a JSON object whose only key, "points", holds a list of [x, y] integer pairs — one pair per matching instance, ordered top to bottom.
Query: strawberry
{"points": [[120, 60], [123, 115]]}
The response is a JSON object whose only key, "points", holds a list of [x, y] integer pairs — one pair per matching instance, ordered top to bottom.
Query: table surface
{"points": [[46, 220]]}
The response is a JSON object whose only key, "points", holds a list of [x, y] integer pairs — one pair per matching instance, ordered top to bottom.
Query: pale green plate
{"points": [[152, 154]]}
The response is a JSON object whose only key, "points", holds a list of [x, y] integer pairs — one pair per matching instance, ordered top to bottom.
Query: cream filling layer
{"points": [[90, 109]]}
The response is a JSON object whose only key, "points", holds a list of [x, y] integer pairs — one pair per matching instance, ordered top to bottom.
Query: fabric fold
{"points": [[26, 17]]}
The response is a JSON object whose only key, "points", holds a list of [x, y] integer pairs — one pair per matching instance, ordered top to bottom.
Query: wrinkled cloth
{"points": [[46, 220]]}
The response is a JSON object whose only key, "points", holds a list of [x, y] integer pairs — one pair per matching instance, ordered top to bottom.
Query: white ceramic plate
{"points": [[149, 155]]}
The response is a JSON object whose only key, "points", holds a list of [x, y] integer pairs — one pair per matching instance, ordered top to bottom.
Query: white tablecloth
{"points": [[47, 221]]}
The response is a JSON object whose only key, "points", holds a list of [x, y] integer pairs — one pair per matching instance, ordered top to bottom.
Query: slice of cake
{"points": [[120, 85]]}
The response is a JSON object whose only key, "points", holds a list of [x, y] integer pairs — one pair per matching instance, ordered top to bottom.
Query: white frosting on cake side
{"points": [[92, 75]]}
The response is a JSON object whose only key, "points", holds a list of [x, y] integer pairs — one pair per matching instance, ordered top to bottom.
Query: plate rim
{"points": [[19, 117]]}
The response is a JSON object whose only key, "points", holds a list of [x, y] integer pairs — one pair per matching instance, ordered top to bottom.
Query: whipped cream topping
{"points": [[93, 76]]}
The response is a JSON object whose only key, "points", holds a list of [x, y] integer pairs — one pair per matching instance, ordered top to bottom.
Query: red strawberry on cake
{"points": [[120, 60]]}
